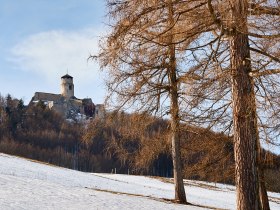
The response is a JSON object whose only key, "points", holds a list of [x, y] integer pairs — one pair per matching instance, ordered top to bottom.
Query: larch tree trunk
{"points": [[244, 112], [244, 117], [175, 140], [262, 187], [263, 191], [180, 194]]}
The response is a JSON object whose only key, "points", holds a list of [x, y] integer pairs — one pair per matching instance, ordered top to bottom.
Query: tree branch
{"points": [[264, 10], [215, 19], [272, 36], [265, 54], [264, 73]]}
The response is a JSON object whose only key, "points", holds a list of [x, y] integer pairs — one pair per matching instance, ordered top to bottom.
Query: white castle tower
{"points": [[67, 86]]}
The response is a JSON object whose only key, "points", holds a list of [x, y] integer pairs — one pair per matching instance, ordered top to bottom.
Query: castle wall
{"points": [[77, 105], [61, 108], [99, 111]]}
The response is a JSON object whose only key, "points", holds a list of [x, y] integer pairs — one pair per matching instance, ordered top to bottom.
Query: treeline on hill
{"points": [[38, 133], [129, 143], [142, 144]]}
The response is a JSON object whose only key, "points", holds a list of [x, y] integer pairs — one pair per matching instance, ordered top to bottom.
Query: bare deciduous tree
{"points": [[244, 47], [145, 55]]}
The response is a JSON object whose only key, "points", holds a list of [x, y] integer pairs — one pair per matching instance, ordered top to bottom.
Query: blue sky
{"points": [[41, 39]]}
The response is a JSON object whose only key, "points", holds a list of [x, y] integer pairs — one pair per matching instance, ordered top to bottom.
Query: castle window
{"points": [[70, 87]]}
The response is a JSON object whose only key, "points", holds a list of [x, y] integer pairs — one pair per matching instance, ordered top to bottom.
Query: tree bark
{"points": [[244, 112], [245, 126], [262, 189], [180, 194]]}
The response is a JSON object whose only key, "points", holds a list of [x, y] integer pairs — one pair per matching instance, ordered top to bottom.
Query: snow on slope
{"points": [[26, 184]]}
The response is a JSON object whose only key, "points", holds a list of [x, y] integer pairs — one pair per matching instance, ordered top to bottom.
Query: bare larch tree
{"points": [[246, 48], [143, 56]]}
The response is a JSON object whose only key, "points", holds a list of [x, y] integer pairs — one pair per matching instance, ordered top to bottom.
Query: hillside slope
{"points": [[31, 185]]}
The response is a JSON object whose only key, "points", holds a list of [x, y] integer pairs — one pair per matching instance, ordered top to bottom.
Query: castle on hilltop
{"points": [[67, 104]]}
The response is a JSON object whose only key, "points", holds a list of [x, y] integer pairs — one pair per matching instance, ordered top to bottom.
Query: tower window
{"points": [[70, 87]]}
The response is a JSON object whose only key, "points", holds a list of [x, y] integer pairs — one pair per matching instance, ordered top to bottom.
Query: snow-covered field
{"points": [[25, 184]]}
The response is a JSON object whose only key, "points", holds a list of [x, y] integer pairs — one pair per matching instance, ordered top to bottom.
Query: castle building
{"points": [[67, 104]]}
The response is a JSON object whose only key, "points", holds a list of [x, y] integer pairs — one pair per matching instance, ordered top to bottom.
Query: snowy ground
{"points": [[26, 184]]}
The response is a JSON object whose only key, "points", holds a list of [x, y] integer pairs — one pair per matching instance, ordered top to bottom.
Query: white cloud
{"points": [[51, 53]]}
